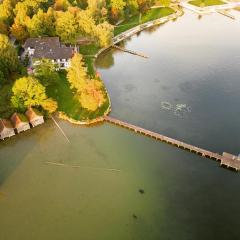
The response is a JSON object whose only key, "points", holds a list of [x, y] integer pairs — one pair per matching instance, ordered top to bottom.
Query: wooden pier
{"points": [[130, 51], [226, 159]]}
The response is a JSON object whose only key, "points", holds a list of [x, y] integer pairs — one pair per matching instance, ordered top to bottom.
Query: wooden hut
{"points": [[34, 117], [20, 122], [6, 129]]}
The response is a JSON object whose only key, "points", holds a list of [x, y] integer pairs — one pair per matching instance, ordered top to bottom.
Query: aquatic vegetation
{"points": [[166, 106], [179, 110]]}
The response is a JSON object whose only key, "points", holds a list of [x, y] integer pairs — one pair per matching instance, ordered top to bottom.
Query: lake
{"points": [[89, 188]]}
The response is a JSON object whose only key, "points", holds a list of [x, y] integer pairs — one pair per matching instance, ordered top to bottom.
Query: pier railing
{"points": [[226, 159]]}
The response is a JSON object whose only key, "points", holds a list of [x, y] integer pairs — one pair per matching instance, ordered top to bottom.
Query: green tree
{"points": [[117, 7], [131, 7], [42, 24], [8, 56], [46, 72], [2, 78], [28, 92]]}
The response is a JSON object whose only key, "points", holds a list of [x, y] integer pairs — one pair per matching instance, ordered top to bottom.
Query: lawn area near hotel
{"points": [[205, 3], [152, 14], [69, 104]]}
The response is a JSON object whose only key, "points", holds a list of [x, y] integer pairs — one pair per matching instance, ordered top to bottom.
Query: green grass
{"points": [[204, 3], [152, 14], [90, 49], [89, 61], [70, 105]]}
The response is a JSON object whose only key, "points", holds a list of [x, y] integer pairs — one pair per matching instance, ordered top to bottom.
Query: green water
{"points": [[95, 194]]}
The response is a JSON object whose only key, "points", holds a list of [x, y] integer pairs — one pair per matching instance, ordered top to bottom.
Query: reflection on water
{"points": [[192, 64]]}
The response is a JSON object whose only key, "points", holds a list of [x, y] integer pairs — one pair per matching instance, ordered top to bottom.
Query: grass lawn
{"points": [[204, 3], [152, 14], [90, 49], [89, 61], [68, 104]]}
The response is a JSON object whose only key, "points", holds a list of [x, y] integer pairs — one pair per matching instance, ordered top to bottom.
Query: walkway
{"points": [[122, 36], [130, 51], [226, 159]]}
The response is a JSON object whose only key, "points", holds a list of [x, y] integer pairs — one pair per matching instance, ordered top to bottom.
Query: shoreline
{"points": [[210, 8], [116, 39]]}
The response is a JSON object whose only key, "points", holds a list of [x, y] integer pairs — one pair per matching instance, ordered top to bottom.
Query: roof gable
{"points": [[32, 114], [18, 119], [5, 124]]}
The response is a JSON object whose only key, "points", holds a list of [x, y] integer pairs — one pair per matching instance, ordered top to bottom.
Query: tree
{"points": [[165, 3], [61, 5], [144, 5], [117, 7], [131, 7], [97, 9], [6, 11], [86, 23], [42, 24], [66, 27], [3, 28], [19, 31], [104, 34], [8, 56], [46, 72], [77, 73], [2, 78], [88, 91], [28, 92], [92, 96], [50, 105]]}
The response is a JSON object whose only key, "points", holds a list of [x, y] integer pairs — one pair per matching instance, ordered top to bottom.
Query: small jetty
{"points": [[130, 51], [226, 159]]}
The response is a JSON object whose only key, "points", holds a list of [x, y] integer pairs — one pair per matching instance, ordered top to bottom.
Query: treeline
{"points": [[68, 19]]}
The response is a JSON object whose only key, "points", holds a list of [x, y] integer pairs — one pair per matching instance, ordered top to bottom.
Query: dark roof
{"points": [[34, 42], [49, 47], [18, 118], [5, 124]]}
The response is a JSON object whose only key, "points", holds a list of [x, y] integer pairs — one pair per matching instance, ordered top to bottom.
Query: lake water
{"points": [[188, 89]]}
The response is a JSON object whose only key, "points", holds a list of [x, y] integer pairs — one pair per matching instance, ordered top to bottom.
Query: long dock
{"points": [[130, 51], [226, 159]]}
